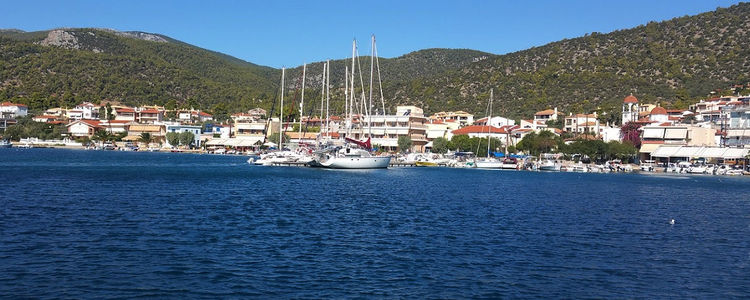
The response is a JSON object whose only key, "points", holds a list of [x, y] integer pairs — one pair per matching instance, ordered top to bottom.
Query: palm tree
{"points": [[145, 138]]}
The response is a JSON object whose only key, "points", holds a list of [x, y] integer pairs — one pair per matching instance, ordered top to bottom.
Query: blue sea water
{"points": [[94, 224]]}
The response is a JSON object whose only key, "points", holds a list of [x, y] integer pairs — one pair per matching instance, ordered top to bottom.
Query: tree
{"points": [[629, 132], [101, 135], [145, 138], [173, 138], [187, 138], [404, 143], [440, 145]]}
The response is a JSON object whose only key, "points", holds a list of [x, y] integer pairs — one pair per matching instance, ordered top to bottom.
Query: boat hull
{"points": [[374, 162], [425, 164], [488, 164]]}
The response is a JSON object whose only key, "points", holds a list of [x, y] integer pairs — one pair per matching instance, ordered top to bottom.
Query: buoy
{"points": [[671, 221]]}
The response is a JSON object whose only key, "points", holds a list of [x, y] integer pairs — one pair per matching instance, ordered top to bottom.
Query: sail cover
{"points": [[366, 144]]}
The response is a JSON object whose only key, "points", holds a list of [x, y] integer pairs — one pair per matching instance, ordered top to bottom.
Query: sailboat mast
{"points": [[372, 69], [322, 94], [328, 96], [346, 102], [302, 103], [351, 103], [281, 110], [489, 128]]}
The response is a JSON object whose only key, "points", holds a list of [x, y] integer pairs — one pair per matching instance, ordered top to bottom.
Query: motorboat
{"points": [[510, 163]]}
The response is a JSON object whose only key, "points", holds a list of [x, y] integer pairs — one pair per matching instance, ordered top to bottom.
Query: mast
{"points": [[322, 94], [328, 96], [369, 101], [346, 102], [351, 102], [302, 103], [281, 111], [489, 128]]}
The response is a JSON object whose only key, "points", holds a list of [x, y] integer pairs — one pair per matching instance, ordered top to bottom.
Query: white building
{"points": [[12, 110], [88, 111], [546, 115], [81, 128], [195, 130]]}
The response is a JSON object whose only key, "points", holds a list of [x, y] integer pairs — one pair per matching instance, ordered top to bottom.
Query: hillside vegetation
{"points": [[671, 62]]}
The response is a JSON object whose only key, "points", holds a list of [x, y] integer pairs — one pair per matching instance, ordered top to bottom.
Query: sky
{"points": [[289, 33]]}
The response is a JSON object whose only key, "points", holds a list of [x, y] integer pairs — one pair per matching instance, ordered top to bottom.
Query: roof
{"points": [[630, 99], [6, 103], [125, 110], [149, 111], [659, 111], [545, 112], [202, 114], [45, 117], [90, 123], [150, 128], [480, 129]]}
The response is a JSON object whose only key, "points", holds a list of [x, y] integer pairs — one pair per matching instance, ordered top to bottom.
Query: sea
{"points": [[107, 224]]}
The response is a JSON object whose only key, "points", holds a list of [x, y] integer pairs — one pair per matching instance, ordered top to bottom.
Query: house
{"points": [[10, 110], [87, 111], [74, 114], [125, 114], [148, 115], [546, 115], [193, 116], [460, 117], [44, 118], [495, 121], [581, 123], [115, 126], [83, 128], [195, 130], [134, 132], [738, 132], [304, 137]]}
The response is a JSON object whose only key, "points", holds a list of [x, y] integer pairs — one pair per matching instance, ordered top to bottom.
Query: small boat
{"points": [[5, 144], [425, 163], [510, 163], [549, 165]]}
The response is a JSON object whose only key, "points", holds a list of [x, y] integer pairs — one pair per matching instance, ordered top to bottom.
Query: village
{"points": [[716, 129]]}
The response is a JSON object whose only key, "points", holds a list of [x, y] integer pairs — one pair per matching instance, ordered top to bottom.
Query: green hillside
{"points": [[672, 62]]}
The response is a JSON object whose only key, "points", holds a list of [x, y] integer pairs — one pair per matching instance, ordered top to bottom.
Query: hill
{"points": [[671, 62]]}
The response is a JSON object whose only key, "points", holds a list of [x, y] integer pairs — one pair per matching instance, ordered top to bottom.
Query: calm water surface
{"points": [[88, 224]]}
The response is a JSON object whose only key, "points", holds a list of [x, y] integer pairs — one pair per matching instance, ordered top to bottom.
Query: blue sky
{"points": [[288, 33]]}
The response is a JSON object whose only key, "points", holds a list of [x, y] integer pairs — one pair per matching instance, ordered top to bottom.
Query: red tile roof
{"points": [[630, 99], [6, 103], [125, 110], [149, 111], [659, 111], [545, 112], [480, 129]]}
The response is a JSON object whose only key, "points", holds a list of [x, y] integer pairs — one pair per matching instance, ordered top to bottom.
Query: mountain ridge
{"points": [[670, 62]]}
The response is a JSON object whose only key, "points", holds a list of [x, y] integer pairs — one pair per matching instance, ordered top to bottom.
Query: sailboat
{"points": [[351, 154], [489, 162]]}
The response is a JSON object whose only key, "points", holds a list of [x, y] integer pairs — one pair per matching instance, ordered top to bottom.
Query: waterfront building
{"points": [[148, 115], [115, 126], [83, 128], [178, 128], [135, 130], [738, 132], [653, 136]]}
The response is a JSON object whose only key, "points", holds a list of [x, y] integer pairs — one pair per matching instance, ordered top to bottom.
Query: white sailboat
{"points": [[353, 154], [489, 162]]}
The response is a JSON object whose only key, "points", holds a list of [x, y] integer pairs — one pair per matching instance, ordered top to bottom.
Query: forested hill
{"points": [[671, 62]]}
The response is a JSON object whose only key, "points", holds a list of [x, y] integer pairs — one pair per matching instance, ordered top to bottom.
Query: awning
{"points": [[653, 133], [676, 133], [132, 138], [649, 148], [700, 152]]}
